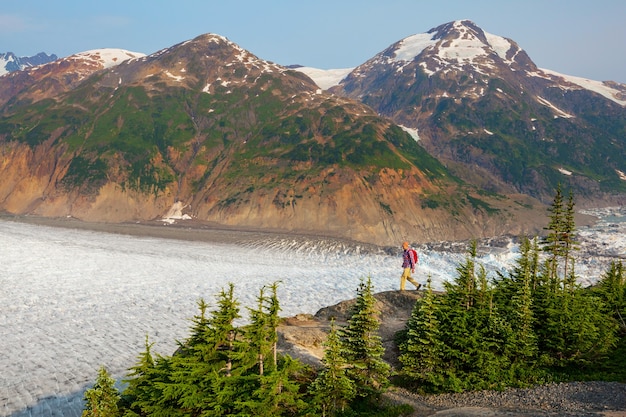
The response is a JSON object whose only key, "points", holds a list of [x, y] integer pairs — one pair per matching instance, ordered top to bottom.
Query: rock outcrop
{"points": [[302, 336]]}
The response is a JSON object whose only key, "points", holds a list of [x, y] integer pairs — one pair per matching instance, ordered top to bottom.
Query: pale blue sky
{"points": [[574, 37]]}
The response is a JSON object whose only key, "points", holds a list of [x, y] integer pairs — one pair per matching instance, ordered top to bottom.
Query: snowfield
{"points": [[73, 300]]}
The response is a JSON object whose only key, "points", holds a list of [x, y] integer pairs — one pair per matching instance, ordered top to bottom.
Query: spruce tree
{"points": [[568, 235], [560, 241], [552, 242], [612, 289], [514, 297], [273, 311], [522, 320], [571, 326], [222, 329], [577, 331], [473, 332], [260, 333], [362, 347], [421, 354], [205, 358], [139, 390], [332, 390], [278, 392], [102, 399]]}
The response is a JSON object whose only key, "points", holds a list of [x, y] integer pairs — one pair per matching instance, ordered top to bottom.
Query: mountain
{"points": [[9, 62], [480, 105], [227, 138]]}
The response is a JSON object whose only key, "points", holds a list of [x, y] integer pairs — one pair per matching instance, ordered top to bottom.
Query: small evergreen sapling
{"points": [[102, 399]]}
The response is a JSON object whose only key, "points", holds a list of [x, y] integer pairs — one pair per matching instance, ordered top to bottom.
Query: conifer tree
{"points": [[568, 235], [560, 240], [552, 242], [525, 271], [464, 288], [612, 289], [514, 295], [273, 311], [523, 320], [571, 326], [222, 328], [577, 330], [198, 331], [473, 332], [259, 333], [362, 346], [421, 354], [205, 357], [140, 382], [332, 390], [278, 392], [102, 399]]}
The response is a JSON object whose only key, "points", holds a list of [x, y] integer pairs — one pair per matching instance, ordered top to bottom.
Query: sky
{"points": [[574, 37]]}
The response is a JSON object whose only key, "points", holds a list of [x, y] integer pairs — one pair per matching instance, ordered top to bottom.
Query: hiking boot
{"points": [[418, 286]]}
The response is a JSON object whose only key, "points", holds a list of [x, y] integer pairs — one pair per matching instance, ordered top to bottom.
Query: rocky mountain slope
{"points": [[482, 107], [229, 139]]}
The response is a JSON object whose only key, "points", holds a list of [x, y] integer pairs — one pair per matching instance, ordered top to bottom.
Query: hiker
{"points": [[409, 260]]}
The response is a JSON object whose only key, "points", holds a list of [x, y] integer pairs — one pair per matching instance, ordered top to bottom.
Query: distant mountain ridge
{"points": [[10, 62], [33, 84]]}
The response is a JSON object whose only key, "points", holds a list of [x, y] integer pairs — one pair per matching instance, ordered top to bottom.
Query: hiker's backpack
{"points": [[413, 256]]}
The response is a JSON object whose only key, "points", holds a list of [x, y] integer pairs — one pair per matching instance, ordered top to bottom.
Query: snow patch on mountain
{"points": [[466, 47], [502, 47], [409, 48], [107, 57], [177, 78], [325, 78], [617, 95], [557, 112], [411, 131], [176, 213]]}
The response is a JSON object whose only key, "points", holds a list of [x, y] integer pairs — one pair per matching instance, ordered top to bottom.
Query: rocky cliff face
{"points": [[335, 203]]}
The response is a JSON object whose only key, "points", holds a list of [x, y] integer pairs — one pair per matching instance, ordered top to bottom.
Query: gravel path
{"points": [[574, 399]]}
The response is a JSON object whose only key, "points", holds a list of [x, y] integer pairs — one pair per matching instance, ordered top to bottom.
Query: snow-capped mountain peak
{"points": [[452, 46], [455, 46]]}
